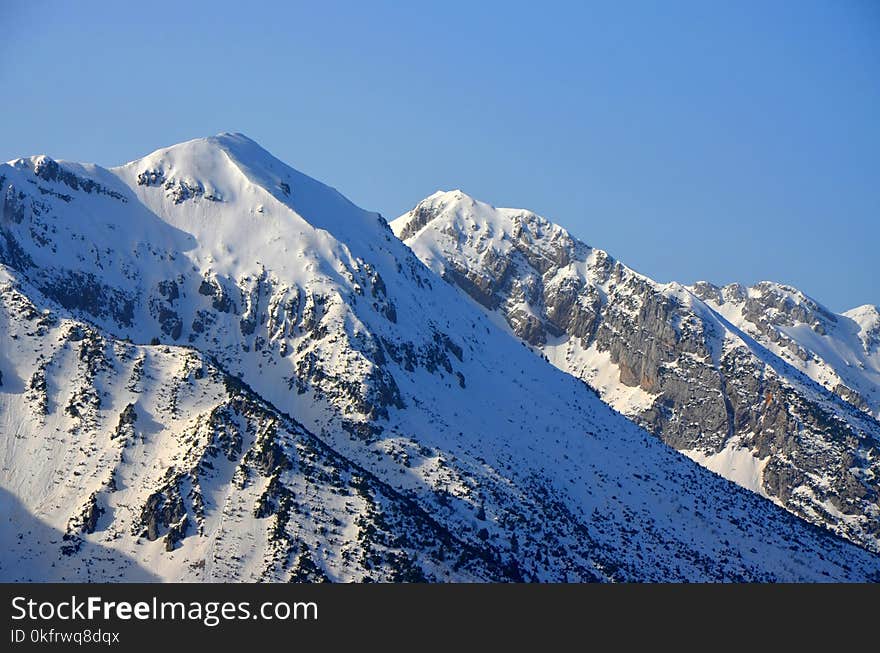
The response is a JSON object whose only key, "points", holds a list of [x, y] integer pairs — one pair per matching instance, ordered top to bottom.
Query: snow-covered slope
{"points": [[762, 385], [315, 404], [173, 469]]}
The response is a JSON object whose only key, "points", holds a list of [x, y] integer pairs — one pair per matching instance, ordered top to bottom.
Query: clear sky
{"points": [[693, 140]]}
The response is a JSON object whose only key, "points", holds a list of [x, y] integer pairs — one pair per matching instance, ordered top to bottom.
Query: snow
{"points": [[867, 318], [596, 368], [736, 463]]}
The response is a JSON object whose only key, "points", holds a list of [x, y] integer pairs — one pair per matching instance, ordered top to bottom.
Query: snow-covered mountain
{"points": [[217, 368], [763, 385]]}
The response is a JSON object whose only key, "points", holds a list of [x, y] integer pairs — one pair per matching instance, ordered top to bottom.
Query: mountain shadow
{"points": [[31, 551]]}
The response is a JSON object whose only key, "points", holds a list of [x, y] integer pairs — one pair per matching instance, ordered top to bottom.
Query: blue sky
{"points": [[693, 140]]}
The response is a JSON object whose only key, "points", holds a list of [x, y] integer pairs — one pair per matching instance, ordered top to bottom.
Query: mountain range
{"points": [[215, 368], [763, 385]]}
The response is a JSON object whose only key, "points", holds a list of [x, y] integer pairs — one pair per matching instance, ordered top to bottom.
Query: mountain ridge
{"points": [[458, 194]]}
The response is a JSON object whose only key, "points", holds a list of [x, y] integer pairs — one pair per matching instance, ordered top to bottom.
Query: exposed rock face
{"points": [[680, 361]]}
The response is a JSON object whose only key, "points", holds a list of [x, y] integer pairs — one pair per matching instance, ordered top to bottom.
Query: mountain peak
{"points": [[220, 141], [203, 154], [196, 161], [234, 171], [454, 195], [457, 201], [464, 213], [865, 311], [867, 317]]}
